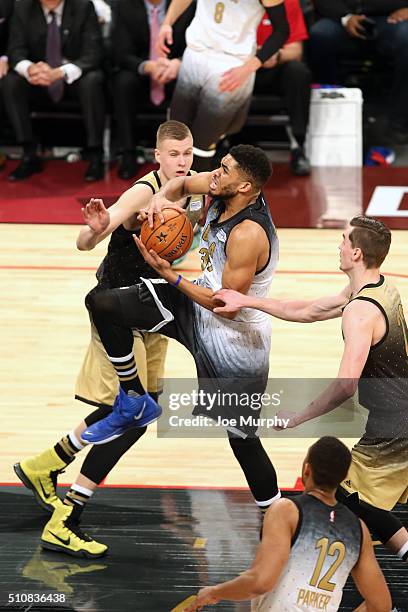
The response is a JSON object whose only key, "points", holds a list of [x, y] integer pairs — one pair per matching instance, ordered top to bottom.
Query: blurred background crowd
{"points": [[117, 68]]}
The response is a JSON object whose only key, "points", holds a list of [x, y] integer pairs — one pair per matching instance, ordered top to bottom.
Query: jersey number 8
{"points": [[219, 12]]}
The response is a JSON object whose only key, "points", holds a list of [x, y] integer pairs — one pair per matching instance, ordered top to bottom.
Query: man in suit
{"points": [[6, 8], [55, 53], [142, 81]]}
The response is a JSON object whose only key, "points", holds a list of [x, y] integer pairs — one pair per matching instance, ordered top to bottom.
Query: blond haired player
{"points": [[97, 382]]}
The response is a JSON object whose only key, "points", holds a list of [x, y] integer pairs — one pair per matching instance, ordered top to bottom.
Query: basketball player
{"points": [[217, 72], [226, 352], [375, 359], [97, 383], [309, 546]]}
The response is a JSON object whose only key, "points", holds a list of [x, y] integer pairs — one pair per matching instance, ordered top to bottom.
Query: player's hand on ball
{"points": [[157, 203], [142, 215], [96, 216], [152, 258], [233, 301], [287, 418], [205, 597]]}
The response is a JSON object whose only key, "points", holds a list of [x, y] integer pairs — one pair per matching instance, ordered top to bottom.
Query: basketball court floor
{"points": [[175, 512]]}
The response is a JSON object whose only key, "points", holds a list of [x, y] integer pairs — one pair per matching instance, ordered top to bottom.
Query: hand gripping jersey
{"points": [[227, 27], [240, 347], [325, 548]]}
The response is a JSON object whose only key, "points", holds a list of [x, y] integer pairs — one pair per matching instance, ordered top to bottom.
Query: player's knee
{"points": [[100, 303], [242, 445], [382, 522]]}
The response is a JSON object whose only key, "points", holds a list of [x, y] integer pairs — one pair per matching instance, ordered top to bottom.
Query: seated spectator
{"points": [[6, 8], [346, 28], [55, 51], [217, 74], [286, 75], [143, 81]]}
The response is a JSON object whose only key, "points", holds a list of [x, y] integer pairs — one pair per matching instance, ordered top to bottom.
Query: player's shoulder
{"points": [[249, 229], [360, 308], [283, 507], [283, 512]]}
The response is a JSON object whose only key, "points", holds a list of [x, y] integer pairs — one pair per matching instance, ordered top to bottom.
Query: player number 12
{"points": [[334, 548]]}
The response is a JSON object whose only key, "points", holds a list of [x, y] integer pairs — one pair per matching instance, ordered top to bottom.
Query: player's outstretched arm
{"points": [[176, 189], [101, 222], [301, 311], [358, 327], [270, 560], [369, 578]]}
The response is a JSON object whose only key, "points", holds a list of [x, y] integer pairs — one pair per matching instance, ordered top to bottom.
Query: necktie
{"points": [[54, 57], [156, 90]]}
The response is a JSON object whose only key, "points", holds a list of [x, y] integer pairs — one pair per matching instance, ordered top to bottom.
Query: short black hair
{"points": [[254, 163], [330, 460]]}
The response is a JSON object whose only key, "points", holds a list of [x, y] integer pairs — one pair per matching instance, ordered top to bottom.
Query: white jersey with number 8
{"points": [[225, 27]]}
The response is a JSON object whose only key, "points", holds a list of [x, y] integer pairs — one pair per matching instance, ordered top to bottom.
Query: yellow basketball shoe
{"points": [[40, 474], [62, 534], [55, 573]]}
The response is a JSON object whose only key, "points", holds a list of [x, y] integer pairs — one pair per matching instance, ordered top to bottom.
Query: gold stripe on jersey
{"points": [[151, 179]]}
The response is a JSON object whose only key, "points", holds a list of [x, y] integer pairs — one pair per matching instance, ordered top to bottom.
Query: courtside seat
{"points": [[267, 110]]}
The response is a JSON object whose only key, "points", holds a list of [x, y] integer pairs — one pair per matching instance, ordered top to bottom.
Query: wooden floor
{"points": [[44, 332]]}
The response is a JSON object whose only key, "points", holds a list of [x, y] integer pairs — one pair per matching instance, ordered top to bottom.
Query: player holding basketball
{"points": [[226, 352], [375, 359], [97, 382], [310, 544]]}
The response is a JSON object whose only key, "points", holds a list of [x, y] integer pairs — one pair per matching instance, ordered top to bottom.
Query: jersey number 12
{"points": [[335, 548]]}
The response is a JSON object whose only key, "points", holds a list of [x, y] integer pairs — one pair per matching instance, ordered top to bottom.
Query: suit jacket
{"points": [[6, 9], [336, 9], [131, 33], [81, 38]]}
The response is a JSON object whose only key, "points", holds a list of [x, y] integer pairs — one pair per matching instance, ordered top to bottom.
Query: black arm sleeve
{"points": [[280, 34]]}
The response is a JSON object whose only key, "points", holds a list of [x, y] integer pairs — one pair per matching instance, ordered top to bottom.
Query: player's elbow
{"points": [[82, 247], [308, 315], [348, 386], [262, 585]]}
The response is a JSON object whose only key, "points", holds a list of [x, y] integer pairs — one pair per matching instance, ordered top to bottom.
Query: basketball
{"points": [[170, 239]]}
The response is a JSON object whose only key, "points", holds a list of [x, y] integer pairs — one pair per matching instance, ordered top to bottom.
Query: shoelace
{"points": [[54, 476], [73, 525]]}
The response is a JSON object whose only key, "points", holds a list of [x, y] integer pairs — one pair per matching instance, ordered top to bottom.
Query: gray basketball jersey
{"points": [[238, 347], [325, 549]]}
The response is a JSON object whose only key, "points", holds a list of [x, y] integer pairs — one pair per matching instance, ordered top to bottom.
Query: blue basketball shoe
{"points": [[128, 412]]}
